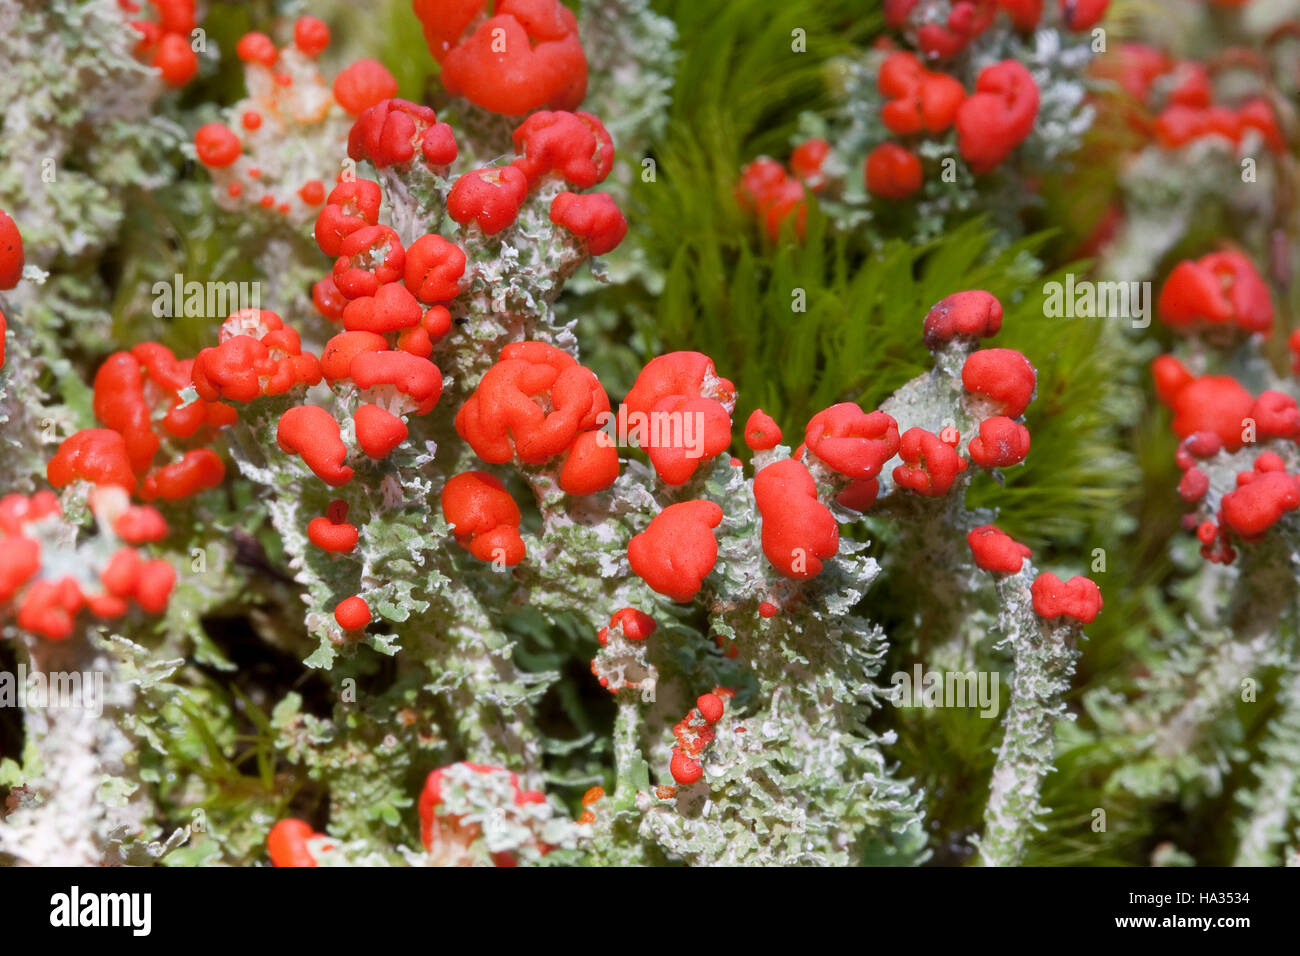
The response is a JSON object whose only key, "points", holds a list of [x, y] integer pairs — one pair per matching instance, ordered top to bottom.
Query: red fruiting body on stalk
{"points": [[1024, 14], [1082, 15], [175, 16], [966, 19], [445, 22], [150, 34], [311, 36], [256, 47], [524, 57], [176, 60], [362, 85], [1194, 87], [920, 101], [1257, 114], [998, 116], [1180, 124], [389, 132], [216, 145], [438, 145], [574, 145], [806, 162], [892, 172], [757, 180], [766, 189], [312, 192], [490, 198], [352, 205], [779, 205], [592, 217], [368, 258], [433, 269], [1219, 289], [327, 298], [390, 309], [967, 315], [436, 322], [416, 341], [336, 358], [242, 368], [165, 374], [1003, 376], [1170, 376], [417, 379], [681, 387], [119, 403], [1217, 404], [507, 415], [1276, 416], [378, 431], [761, 431], [312, 433], [852, 442], [1000, 443], [96, 455], [1269, 461], [591, 465], [930, 466], [195, 471], [1193, 485], [860, 494], [1259, 503], [17, 510], [485, 517], [136, 524], [798, 530], [332, 532], [678, 550], [995, 550], [19, 560], [122, 573], [157, 578], [1079, 598], [48, 608], [352, 613], [636, 625], [695, 732], [685, 770], [286, 844]]}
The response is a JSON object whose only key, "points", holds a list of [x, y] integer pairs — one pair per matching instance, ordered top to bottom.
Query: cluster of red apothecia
{"points": [[166, 39], [922, 103], [1221, 299], [47, 580]]}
